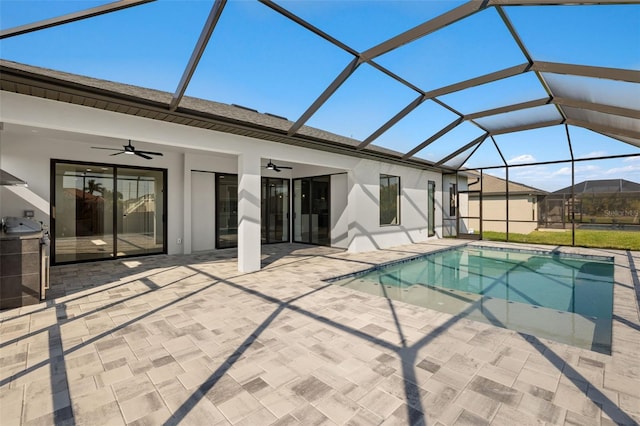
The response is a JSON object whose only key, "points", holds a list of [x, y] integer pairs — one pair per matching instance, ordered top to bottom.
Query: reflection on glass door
{"points": [[311, 206], [226, 210], [275, 210], [103, 211], [83, 212], [140, 212]]}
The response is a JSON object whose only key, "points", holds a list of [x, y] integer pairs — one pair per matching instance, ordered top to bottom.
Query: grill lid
{"points": [[17, 225]]}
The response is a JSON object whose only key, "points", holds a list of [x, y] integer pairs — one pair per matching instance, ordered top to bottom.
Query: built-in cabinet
{"points": [[23, 271]]}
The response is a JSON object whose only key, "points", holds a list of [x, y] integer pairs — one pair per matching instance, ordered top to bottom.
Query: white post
{"points": [[186, 203], [248, 212]]}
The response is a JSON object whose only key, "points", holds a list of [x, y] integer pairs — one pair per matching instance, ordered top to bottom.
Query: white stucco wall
{"points": [[67, 132], [339, 214], [203, 219], [365, 232]]}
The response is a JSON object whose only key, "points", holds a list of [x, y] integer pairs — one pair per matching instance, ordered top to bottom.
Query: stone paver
{"points": [[190, 340]]}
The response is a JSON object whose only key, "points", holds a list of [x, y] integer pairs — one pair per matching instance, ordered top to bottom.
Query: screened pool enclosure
{"points": [[542, 93]]}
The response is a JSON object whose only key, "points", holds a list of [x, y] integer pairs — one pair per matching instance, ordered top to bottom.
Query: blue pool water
{"points": [[561, 297]]}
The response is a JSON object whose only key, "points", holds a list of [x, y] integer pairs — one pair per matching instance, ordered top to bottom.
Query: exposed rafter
{"points": [[71, 17], [425, 28], [317, 31], [201, 44], [523, 48], [539, 68], [631, 76], [339, 80], [477, 81], [591, 106], [508, 108], [386, 126], [528, 126], [599, 128], [434, 137], [459, 151], [473, 151], [565, 160]]}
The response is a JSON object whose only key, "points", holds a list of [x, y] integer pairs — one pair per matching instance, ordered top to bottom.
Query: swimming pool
{"points": [[566, 298]]}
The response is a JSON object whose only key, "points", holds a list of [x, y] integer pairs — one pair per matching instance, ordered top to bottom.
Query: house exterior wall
{"points": [[67, 132], [523, 213], [203, 218], [339, 218], [449, 221], [365, 232]]}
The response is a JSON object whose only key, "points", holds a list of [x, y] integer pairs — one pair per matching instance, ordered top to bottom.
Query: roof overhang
{"points": [[120, 98]]}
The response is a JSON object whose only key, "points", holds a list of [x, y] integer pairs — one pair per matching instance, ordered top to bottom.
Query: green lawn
{"points": [[624, 240]]}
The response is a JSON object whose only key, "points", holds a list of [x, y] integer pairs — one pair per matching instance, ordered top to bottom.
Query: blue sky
{"points": [[259, 59]]}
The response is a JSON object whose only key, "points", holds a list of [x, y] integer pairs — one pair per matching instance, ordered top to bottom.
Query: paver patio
{"points": [[189, 340]]}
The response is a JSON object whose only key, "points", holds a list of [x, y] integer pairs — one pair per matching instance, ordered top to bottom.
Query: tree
{"points": [[93, 186]]}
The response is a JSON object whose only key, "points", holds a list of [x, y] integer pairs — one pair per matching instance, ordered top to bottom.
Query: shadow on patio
{"points": [[186, 339]]}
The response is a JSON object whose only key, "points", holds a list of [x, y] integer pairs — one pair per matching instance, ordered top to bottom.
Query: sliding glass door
{"points": [[311, 206], [275, 210], [103, 211], [139, 218]]}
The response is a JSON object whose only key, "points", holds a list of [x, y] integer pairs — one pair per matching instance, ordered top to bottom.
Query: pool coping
{"points": [[424, 255], [626, 310]]}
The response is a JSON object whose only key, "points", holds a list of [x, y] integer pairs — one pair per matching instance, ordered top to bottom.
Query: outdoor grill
{"points": [[20, 225], [24, 264]]}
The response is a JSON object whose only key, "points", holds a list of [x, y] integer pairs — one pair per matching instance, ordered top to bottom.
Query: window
{"points": [[453, 193], [389, 200], [431, 209]]}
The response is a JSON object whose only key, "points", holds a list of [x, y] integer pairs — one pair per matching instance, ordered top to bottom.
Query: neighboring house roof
{"points": [[149, 103], [493, 185], [602, 185], [84, 195]]}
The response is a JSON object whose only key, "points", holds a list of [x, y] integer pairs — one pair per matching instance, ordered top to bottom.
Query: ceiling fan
{"points": [[131, 150], [271, 166]]}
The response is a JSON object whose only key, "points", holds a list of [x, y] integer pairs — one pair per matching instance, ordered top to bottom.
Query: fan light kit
{"points": [[130, 150], [271, 166]]}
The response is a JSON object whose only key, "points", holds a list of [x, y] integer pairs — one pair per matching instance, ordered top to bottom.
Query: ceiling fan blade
{"points": [[110, 149], [117, 153], [150, 153], [140, 154], [271, 166]]}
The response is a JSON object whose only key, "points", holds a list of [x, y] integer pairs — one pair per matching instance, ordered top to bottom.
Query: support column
{"points": [[186, 203], [362, 207], [248, 212]]}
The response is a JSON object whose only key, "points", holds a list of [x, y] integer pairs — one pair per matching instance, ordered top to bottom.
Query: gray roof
{"points": [[151, 103], [601, 186]]}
